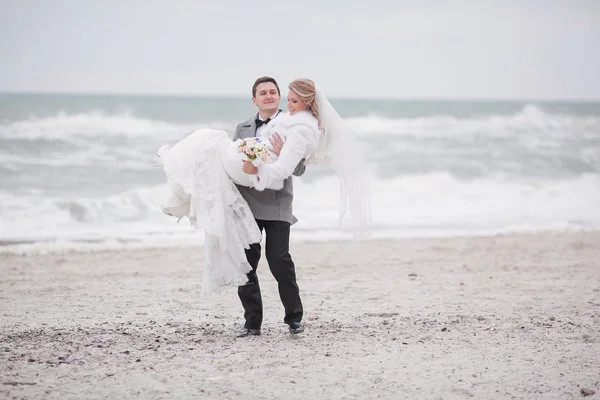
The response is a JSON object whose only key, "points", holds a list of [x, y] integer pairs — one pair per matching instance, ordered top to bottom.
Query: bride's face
{"points": [[295, 103]]}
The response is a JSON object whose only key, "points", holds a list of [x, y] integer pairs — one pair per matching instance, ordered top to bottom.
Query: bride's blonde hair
{"points": [[305, 88]]}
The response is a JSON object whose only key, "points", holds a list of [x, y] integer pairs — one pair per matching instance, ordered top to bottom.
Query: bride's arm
{"points": [[277, 144], [271, 176]]}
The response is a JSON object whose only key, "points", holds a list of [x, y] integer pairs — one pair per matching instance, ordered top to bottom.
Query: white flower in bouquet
{"points": [[253, 148]]}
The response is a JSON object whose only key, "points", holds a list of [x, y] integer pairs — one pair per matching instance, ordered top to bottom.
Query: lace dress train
{"points": [[196, 170]]}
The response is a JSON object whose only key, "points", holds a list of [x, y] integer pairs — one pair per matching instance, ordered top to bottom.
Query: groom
{"points": [[273, 213]]}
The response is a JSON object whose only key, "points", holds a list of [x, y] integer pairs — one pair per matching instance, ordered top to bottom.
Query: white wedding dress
{"points": [[202, 170]]}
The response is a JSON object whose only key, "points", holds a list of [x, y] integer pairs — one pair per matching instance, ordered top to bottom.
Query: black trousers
{"points": [[277, 244]]}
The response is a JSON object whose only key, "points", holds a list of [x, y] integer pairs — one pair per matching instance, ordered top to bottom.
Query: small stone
{"points": [[553, 318], [444, 329], [587, 392]]}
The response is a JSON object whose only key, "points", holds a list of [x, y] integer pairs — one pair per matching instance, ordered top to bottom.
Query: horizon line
{"points": [[240, 96]]}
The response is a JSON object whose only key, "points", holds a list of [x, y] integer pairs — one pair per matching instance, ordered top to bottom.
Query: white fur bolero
{"points": [[301, 135]]}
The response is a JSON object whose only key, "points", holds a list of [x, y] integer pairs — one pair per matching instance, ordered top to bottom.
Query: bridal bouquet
{"points": [[253, 148]]}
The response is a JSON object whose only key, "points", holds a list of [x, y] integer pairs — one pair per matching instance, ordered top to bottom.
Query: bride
{"points": [[203, 168]]}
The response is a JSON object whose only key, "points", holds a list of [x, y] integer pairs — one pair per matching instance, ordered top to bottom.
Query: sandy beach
{"points": [[512, 316]]}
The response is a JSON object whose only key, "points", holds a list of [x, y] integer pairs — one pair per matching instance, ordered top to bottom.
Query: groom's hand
{"points": [[276, 143], [249, 168]]}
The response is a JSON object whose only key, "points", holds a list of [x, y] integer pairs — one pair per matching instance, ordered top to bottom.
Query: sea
{"points": [[83, 168]]}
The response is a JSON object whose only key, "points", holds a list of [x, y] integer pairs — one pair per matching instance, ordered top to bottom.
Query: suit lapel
{"points": [[249, 128]]}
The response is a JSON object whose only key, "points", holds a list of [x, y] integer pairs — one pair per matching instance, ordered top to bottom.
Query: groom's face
{"points": [[267, 97]]}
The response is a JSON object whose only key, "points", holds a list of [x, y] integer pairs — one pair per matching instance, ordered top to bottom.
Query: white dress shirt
{"points": [[263, 126]]}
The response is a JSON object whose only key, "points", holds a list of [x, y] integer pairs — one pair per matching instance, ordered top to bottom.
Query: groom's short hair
{"points": [[263, 80]]}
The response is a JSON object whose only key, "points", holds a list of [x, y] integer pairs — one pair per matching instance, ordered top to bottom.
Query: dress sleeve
{"points": [[271, 176]]}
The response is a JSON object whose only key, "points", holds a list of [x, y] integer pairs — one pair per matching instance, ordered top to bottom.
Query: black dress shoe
{"points": [[296, 327], [248, 332]]}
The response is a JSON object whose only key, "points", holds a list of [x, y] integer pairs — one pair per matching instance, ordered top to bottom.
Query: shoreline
{"points": [[195, 239]]}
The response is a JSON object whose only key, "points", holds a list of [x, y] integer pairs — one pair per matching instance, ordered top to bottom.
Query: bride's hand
{"points": [[276, 142], [249, 168]]}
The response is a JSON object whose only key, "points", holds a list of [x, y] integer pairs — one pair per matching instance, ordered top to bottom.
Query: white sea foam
{"points": [[429, 204]]}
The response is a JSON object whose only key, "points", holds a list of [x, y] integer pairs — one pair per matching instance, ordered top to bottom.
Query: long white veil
{"points": [[340, 149]]}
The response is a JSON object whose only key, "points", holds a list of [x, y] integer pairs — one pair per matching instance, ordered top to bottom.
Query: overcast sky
{"points": [[532, 49]]}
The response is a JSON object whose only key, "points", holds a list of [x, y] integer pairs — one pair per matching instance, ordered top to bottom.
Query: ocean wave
{"points": [[531, 119], [96, 123], [530, 143], [139, 161], [435, 201], [441, 202], [131, 205]]}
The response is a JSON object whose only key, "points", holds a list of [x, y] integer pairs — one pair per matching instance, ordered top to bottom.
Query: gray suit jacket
{"points": [[270, 205]]}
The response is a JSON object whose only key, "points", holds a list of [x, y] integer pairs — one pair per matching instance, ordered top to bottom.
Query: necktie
{"points": [[260, 122]]}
